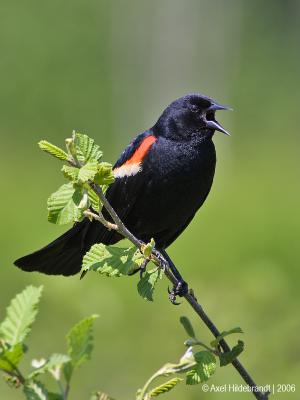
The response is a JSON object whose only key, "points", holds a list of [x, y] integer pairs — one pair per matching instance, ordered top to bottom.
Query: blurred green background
{"points": [[108, 68]]}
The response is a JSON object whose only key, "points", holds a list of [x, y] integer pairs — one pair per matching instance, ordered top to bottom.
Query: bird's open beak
{"points": [[210, 121]]}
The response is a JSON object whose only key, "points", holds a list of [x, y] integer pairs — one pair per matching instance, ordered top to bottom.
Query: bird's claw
{"points": [[181, 289]]}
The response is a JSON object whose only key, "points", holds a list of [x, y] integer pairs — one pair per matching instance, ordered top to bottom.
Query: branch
{"points": [[99, 217], [160, 261], [190, 298]]}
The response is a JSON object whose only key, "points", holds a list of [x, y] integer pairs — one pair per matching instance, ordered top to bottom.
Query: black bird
{"points": [[162, 178]]}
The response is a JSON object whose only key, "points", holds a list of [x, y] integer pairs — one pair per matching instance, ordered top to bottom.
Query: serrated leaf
{"points": [[86, 148], [53, 150], [88, 171], [70, 172], [105, 175], [94, 199], [63, 205], [111, 260], [147, 283], [20, 315], [188, 327], [216, 342], [80, 345], [11, 357], [228, 357], [54, 361], [204, 369], [164, 387], [35, 390]]}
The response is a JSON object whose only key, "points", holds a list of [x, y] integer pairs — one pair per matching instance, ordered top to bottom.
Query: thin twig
{"points": [[99, 217], [15, 374]]}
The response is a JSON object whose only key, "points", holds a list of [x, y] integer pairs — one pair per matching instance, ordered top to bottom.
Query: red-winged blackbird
{"points": [[162, 178]]}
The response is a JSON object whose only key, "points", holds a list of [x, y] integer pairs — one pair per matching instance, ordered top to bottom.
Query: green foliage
{"points": [[86, 149], [53, 150], [88, 171], [70, 172], [104, 174], [94, 200], [69, 202], [63, 205], [148, 248], [111, 260], [146, 284], [20, 315], [186, 323], [15, 328], [216, 342], [80, 345], [10, 357], [228, 357], [205, 367], [165, 387], [35, 390]]}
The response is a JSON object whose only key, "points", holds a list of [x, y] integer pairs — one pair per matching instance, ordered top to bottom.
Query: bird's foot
{"points": [[181, 289]]}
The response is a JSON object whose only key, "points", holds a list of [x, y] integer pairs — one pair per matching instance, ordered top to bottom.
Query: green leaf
{"points": [[86, 149], [53, 150], [88, 171], [70, 173], [105, 175], [94, 200], [63, 205], [148, 248], [111, 260], [147, 283], [20, 315], [187, 325], [216, 342], [80, 345], [11, 357], [228, 357], [54, 362], [204, 369], [164, 387], [35, 390]]}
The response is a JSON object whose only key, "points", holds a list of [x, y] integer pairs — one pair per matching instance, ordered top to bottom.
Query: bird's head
{"points": [[189, 116]]}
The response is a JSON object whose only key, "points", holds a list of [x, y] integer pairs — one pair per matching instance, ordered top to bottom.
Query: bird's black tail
{"points": [[64, 255]]}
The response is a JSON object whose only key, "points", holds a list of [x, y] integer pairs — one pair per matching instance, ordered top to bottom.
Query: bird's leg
{"points": [[181, 288]]}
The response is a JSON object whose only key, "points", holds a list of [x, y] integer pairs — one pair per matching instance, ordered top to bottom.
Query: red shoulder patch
{"points": [[141, 151], [134, 164]]}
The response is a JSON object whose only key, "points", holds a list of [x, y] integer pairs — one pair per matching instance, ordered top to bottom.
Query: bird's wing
{"points": [[131, 148], [122, 194]]}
